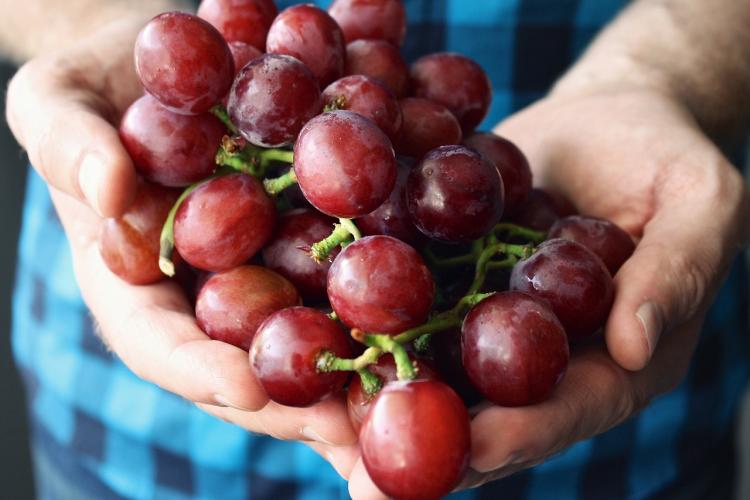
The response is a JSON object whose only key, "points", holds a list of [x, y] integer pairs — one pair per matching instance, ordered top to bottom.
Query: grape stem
{"points": [[220, 112], [238, 154], [276, 185], [514, 230], [342, 234], [166, 238], [513, 254], [405, 369]]}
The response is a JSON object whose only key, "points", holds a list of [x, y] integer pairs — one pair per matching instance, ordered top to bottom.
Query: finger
{"points": [[68, 141], [687, 246], [153, 328], [595, 395], [326, 422], [342, 458], [361, 486]]}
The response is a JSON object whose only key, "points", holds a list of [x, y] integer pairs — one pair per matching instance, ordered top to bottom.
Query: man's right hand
{"points": [[62, 108]]}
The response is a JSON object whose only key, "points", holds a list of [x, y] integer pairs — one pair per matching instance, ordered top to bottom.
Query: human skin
{"points": [[63, 107], [604, 147]]}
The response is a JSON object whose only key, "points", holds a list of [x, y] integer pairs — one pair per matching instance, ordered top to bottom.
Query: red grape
{"points": [[371, 19], [240, 20], [312, 36], [243, 53], [380, 60], [184, 62], [456, 82], [272, 98], [368, 98], [427, 125], [169, 148], [510, 162], [344, 163], [455, 195], [541, 210], [392, 217], [224, 222], [607, 240], [129, 245], [288, 252], [573, 280], [380, 284], [231, 305], [445, 349], [514, 349], [285, 351], [358, 402], [415, 441]]}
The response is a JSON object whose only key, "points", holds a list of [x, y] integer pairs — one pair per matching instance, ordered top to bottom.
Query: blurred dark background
{"points": [[15, 465], [16, 480]]}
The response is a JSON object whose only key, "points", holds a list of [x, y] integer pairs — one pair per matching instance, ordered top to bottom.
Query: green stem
{"points": [[220, 112], [280, 155], [243, 161], [278, 184], [349, 225], [520, 231], [342, 233], [166, 239], [519, 251], [469, 258], [440, 322], [329, 362], [405, 369], [371, 383]]}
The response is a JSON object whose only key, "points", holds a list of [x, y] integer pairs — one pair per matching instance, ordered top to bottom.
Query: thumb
{"points": [[62, 126], [698, 226]]}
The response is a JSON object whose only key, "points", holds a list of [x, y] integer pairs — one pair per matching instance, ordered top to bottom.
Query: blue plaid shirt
{"points": [[100, 432]]}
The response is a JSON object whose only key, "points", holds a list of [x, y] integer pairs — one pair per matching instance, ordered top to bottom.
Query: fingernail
{"points": [[90, 178], [652, 322], [222, 401], [310, 434]]}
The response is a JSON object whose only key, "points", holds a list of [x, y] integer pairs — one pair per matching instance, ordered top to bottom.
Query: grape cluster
{"points": [[332, 211]]}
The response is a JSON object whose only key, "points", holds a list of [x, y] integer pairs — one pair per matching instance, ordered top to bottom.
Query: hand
{"points": [[61, 108], [637, 158]]}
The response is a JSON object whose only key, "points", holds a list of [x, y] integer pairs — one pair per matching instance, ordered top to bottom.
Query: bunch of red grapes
{"points": [[295, 158]]}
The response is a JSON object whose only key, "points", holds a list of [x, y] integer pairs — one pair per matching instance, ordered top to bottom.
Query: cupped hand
{"points": [[62, 108], [638, 158]]}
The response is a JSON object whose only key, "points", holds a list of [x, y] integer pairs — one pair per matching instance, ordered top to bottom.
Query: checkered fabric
{"points": [[99, 432]]}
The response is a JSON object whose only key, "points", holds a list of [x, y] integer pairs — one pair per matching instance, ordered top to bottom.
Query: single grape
{"points": [[371, 19], [240, 20], [312, 36], [243, 53], [380, 60], [184, 62], [456, 82], [272, 98], [368, 98], [427, 125], [168, 148], [510, 162], [344, 163], [455, 195], [563, 206], [541, 210], [392, 217], [224, 222], [606, 239], [129, 245], [288, 252], [573, 280], [380, 285], [231, 305], [514, 349], [445, 350], [285, 351], [358, 402], [415, 441]]}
